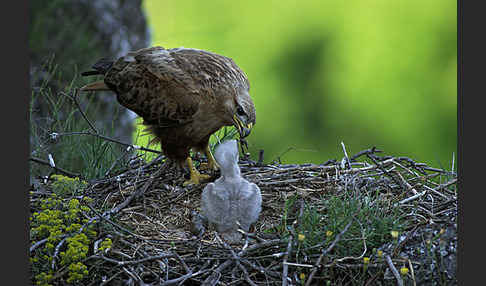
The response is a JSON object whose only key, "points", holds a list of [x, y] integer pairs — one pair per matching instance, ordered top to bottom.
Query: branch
{"points": [[74, 98], [110, 139], [43, 162], [326, 251], [285, 270], [394, 270]]}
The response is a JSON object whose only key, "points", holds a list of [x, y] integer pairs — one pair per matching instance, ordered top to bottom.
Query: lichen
{"points": [[55, 220]]}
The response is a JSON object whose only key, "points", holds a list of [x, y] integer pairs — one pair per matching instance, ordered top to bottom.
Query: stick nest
{"points": [[160, 239]]}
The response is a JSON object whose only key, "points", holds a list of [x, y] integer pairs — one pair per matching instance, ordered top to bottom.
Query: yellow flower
{"points": [[328, 233], [394, 233], [301, 237], [379, 253], [366, 260], [404, 271], [302, 276]]}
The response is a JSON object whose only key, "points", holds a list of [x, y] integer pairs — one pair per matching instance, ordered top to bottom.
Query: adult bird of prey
{"points": [[183, 95]]}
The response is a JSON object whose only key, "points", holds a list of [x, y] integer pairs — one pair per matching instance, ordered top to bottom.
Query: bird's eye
{"points": [[240, 110]]}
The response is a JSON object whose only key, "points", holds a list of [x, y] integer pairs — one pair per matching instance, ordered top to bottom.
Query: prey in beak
{"points": [[244, 129]]}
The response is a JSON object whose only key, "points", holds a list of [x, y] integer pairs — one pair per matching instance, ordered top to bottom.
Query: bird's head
{"points": [[244, 116]]}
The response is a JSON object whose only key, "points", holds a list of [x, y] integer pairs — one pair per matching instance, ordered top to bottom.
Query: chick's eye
{"points": [[240, 110]]}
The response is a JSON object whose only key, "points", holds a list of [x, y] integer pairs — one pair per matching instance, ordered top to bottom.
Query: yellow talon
{"points": [[211, 164], [196, 177]]}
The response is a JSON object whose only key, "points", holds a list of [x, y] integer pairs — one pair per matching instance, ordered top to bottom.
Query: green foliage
{"points": [[369, 73], [55, 123], [224, 134], [63, 186], [55, 220], [372, 221], [105, 244], [77, 271]]}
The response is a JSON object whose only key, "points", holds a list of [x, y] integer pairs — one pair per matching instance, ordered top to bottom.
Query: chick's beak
{"points": [[243, 129]]}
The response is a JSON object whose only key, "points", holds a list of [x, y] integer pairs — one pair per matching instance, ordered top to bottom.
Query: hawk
{"points": [[183, 95]]}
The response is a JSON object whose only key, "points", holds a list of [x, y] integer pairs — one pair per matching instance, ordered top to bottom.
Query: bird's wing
{"points": [[150, 83], [214, 203], [251, 203]]}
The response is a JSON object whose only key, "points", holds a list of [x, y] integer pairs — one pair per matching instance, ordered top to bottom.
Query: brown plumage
{"points": [[183, 95]]}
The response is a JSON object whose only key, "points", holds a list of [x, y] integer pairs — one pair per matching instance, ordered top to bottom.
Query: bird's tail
{"points": [[99, 68]]}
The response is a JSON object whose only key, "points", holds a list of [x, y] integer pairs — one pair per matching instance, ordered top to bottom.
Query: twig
{"points": [[74, 98], [109, 139], [371, 150], [126, 152], [346, 155], [43, 162], [382, 168], [405, 183], [412, 198], [41, 242], [56, 252], [324, 252], [237, 260], [137, 261], [285, 270], [393, 270], [412, 272], [184, 277], [213, 279], [105, 282]]}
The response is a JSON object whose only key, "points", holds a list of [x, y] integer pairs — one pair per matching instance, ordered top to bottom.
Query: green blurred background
{"points": [[368, 73]]}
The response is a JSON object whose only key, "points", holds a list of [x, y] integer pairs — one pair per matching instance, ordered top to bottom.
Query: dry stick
{"points": [[74, 98], [109, 139], [371, 150], [346, 155], [260, 158], [118, 160], [383, 169], [65, 172], [405, 183], [434, 190], [412, 197], [114, 224], [41, 242], [265, 244], [56, 252], [237, 260], [137, 261], [318, 262], [261, 269], [285, 270], [394, 270], [412, 272], [133, 276], [184, 277], [213, 279], [105, 282]]}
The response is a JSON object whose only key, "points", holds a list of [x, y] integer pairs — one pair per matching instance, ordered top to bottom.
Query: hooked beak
{"points": [[243, 129]]}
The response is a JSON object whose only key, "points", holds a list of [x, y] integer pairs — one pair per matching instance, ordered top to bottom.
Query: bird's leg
{"points": [[212, 164], [196, 177]]}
